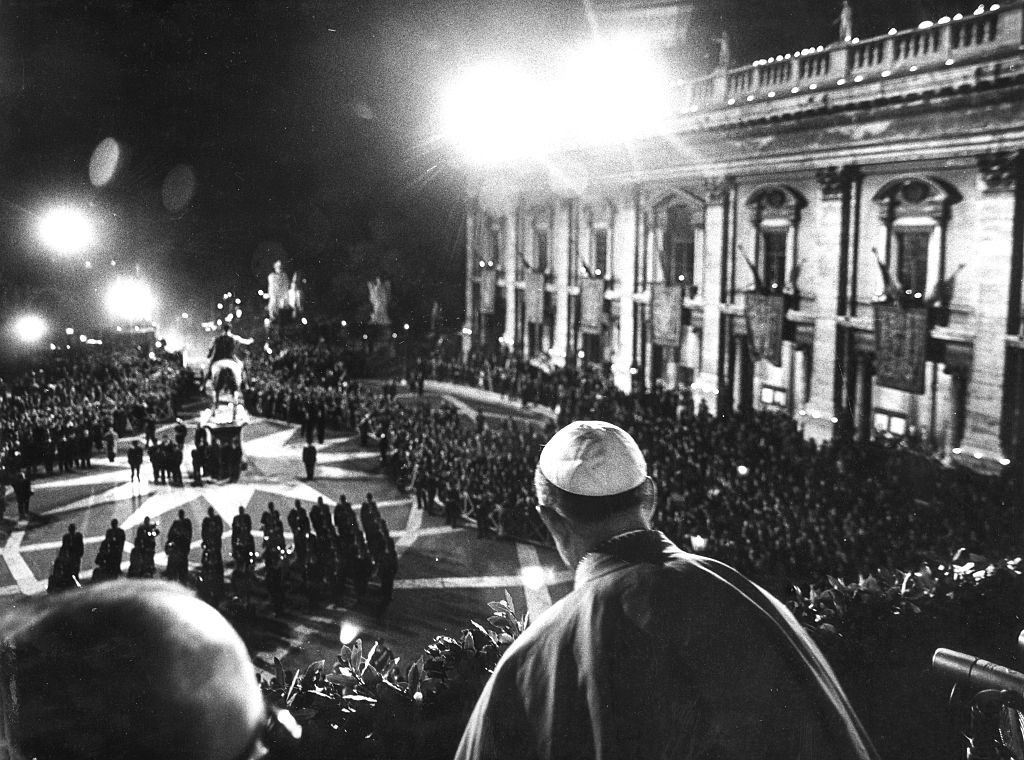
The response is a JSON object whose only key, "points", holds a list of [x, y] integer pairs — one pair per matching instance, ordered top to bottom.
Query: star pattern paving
{"points": [[445, 577]]}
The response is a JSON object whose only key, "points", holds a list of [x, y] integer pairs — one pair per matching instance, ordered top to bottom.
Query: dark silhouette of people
{"points": [[309, 460]]}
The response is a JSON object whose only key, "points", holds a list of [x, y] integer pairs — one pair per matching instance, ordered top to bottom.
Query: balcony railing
{"points": [[986, 33]]}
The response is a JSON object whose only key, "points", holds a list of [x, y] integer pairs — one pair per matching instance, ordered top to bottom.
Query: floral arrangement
{"points": [[365, 705]]}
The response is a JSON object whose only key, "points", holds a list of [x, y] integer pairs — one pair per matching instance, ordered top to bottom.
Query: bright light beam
{"points": [[610, 91], [493, 113], [66, 230], [130, 299], [29, 328]]}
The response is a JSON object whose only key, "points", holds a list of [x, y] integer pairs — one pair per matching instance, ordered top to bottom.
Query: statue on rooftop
{"points": [[845, 22], [723, 50], [380, 297]]}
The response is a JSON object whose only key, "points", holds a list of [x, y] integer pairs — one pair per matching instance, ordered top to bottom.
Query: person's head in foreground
{"points": [[592, 484], [126, 670]]}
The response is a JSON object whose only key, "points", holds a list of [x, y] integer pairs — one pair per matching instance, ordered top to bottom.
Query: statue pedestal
{"points": [[383, 343], [225, 421]]}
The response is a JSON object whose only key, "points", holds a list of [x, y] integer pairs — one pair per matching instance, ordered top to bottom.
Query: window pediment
{"points": [[916, 196], [779, 203]]}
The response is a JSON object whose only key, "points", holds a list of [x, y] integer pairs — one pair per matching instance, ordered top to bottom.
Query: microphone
{"points": [[977, 673]]}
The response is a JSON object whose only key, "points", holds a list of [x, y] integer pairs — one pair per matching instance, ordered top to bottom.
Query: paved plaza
{"points": [[445, 576]]}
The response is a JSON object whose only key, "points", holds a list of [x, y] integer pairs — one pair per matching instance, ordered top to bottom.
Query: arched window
{"points": [[914, 212], [775, 213], [677, 224]]}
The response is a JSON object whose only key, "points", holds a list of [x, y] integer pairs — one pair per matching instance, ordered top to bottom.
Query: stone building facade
{"points": [[813, 167]]}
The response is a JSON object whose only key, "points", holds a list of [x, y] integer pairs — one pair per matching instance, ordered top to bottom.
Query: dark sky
{"points": [[310, 125]]}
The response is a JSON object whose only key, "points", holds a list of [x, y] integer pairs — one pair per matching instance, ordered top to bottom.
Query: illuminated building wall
{"points": [[906, 144]]}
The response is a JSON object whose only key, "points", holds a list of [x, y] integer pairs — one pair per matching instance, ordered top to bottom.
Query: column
{"points": [[472, 209], [624, 251], [824, 254], [711, 258], [508, 259], [991, 262], [560, 266], [863, 408]]}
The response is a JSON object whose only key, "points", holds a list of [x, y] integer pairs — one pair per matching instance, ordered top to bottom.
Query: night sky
{"points": [[311, 128]]}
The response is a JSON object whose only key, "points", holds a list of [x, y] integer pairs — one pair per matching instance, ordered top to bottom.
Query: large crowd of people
{"points": [[58, 417], [746, 488], [749, 489]]}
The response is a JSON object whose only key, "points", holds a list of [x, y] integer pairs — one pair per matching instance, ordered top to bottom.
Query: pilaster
{"points": [[624, 246], [991, 259], [560, 268], [706, 387]]}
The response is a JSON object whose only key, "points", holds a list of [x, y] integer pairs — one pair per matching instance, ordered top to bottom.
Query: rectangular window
{"points": [[540, 249], [912, 250], [600, 260], [774, 269], [772, 396], [890, 423]]}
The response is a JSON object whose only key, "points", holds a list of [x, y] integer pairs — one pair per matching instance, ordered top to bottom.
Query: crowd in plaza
{"points": [[57, 418], [746, 488], [749, 489]]}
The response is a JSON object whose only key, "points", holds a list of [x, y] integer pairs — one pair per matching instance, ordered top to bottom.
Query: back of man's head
{"points": [[590, 470], [125, 670]]}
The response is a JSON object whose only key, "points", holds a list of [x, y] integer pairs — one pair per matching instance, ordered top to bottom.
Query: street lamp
{"points": [[66, 230], [29, 328]]}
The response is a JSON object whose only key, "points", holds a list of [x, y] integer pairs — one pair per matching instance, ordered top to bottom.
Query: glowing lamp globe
{"points": [[66, 230], [130, 299], [29, 328]]}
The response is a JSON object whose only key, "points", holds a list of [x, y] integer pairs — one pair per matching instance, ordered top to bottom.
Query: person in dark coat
{"points": [[180, 432], [110, 443], [135, 457], [198, 457], [174, 460], [309, 460], [22, 487], [320, 517], [298, 521], [212, 530], [115, 539], [74, 546], [178, 547], [387, 570], [656, 652]]}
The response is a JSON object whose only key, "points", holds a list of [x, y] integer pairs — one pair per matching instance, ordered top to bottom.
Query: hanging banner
{"points": [[488, 286], [533, 296], [591, 305], [765, 315], [666, 317], [901, 342]]}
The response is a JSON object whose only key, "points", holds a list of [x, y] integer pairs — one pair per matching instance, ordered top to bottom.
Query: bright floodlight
{"points": [[611, 90], [493, 114], [66, 230], [130, 299], [29, 328]]}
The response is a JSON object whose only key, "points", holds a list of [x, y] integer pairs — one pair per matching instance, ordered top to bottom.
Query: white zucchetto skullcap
{"points": [[593, 458]]}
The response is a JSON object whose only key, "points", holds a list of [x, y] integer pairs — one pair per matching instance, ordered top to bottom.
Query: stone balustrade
{"points": [[987, 33]]}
